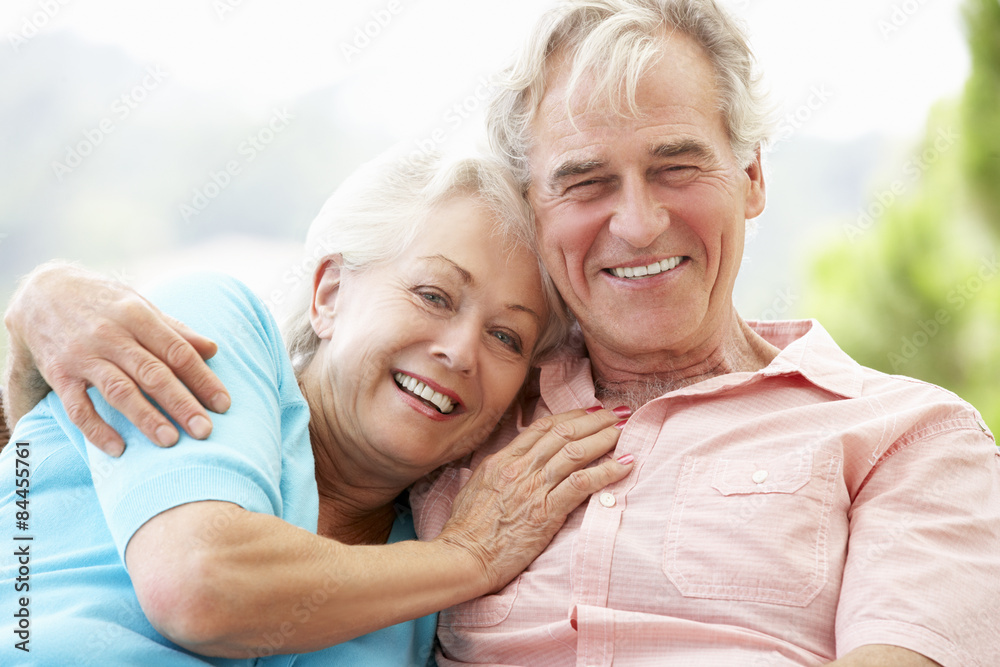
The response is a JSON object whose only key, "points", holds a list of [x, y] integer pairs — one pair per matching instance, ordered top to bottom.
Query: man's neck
{"points": [[633, 381]]}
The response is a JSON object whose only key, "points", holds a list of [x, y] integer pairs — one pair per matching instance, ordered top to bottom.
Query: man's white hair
{"points": [[613, 43], [376, 214]]}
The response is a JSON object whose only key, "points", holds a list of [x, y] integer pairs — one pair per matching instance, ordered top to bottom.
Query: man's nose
{"points": [[638, 218], [456, 344]]}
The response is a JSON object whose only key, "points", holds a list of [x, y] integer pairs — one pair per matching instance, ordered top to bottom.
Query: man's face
{"points": [[641, 219]]}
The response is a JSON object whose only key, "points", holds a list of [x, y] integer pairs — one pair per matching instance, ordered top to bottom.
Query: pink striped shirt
{"points": [[782, 517]]}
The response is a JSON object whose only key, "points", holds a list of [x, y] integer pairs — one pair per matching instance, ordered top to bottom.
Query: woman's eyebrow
{"points": [[464, 273], [468, 279], [524, 309]]}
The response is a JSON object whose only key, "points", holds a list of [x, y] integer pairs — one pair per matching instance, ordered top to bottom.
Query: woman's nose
{"points": [[456, 344]]}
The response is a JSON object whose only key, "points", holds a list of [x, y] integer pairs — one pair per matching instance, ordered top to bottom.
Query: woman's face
{"points": [[426, 352]]}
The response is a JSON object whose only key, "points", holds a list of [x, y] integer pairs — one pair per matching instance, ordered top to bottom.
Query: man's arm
{"points": [[70, 329], [24, 386], [4, 429], [923, 547], [883, 656]]}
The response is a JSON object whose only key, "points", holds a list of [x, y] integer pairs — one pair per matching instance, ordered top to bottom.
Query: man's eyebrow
{"points": [[682, 148], [574, 168], [464, 273]]}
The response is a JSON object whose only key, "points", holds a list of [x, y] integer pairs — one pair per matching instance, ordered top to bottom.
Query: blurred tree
{"points": [[981, 106], [912, 287]]}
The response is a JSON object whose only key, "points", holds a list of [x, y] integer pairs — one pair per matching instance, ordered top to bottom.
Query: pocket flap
{"points": [[784, 474]]}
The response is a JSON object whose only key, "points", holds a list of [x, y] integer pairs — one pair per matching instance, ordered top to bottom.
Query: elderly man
{"points": [[787, 507]]}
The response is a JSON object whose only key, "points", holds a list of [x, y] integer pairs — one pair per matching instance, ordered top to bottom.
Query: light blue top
{"points": [[82, 608]]}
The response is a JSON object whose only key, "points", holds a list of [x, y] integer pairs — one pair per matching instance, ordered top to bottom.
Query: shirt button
{"points": [[759, 477], [608, 499]]}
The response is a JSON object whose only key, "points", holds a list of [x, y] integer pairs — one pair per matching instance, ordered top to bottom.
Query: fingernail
{"points": [[220, 402], [594, 409], [623, 411], [621, 425], [199, 427], [166, 435], [625, 460]]}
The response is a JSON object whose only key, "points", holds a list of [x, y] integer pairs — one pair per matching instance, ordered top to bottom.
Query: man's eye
{"points": [[585, 184]]}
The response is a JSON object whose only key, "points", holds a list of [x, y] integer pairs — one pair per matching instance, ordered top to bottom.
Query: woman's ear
{"points": [[326, 286]]}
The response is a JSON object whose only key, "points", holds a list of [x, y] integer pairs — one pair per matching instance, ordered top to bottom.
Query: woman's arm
{"points": [[70, 329], [223, 581]]}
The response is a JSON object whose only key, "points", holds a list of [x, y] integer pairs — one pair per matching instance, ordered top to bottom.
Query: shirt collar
{"points": [[806, 349]]}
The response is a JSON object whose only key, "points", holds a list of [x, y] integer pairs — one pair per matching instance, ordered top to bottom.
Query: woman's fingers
{"points": [[537, 430], [580, 449], [581, 484], [518, 497]]}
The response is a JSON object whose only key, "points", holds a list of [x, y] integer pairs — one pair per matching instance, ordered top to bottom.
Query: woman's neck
{"points": [[356, 502]]}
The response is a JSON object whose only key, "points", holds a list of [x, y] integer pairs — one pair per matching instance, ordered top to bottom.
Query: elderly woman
{"points": [[284, 532]]}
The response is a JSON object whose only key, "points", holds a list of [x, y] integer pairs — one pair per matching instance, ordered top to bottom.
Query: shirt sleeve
{"points": [[241, 462], [924, 551]]}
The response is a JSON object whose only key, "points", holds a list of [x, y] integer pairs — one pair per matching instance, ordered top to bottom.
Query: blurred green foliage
{"points": [[981, 107], [912, 286]]}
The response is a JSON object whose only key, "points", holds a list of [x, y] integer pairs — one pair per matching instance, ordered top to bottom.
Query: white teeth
{"points": [[651, 270], [444, 404]]}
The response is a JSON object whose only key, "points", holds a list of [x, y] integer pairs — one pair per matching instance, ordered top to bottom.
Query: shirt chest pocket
{"points": [[752, 530]]}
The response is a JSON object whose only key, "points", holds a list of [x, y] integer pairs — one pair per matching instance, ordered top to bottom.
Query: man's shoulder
{"points": [[811, 350], [926, 402]]}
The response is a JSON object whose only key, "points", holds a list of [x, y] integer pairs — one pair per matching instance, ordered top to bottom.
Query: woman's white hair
{"points": [[615, 42], [376, 213]]}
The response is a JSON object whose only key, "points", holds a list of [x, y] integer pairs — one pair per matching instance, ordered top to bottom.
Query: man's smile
{"points": [[653, 269]]}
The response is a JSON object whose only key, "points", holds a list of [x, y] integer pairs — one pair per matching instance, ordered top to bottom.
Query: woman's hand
{"points": [[72, 329], [519, 497]]}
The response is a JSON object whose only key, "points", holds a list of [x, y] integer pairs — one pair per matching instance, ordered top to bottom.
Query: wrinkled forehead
{"points": [[579, 107]]}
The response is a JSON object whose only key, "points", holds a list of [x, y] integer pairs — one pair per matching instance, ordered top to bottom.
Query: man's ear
{"points": [[755, 197], [326, 287]]}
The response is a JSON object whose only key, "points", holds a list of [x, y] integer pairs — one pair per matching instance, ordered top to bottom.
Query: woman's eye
{"points": [[433, 297], [509, 340]]}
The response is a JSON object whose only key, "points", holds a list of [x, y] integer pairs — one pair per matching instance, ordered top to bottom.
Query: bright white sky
{"points": [[262, 52]]}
